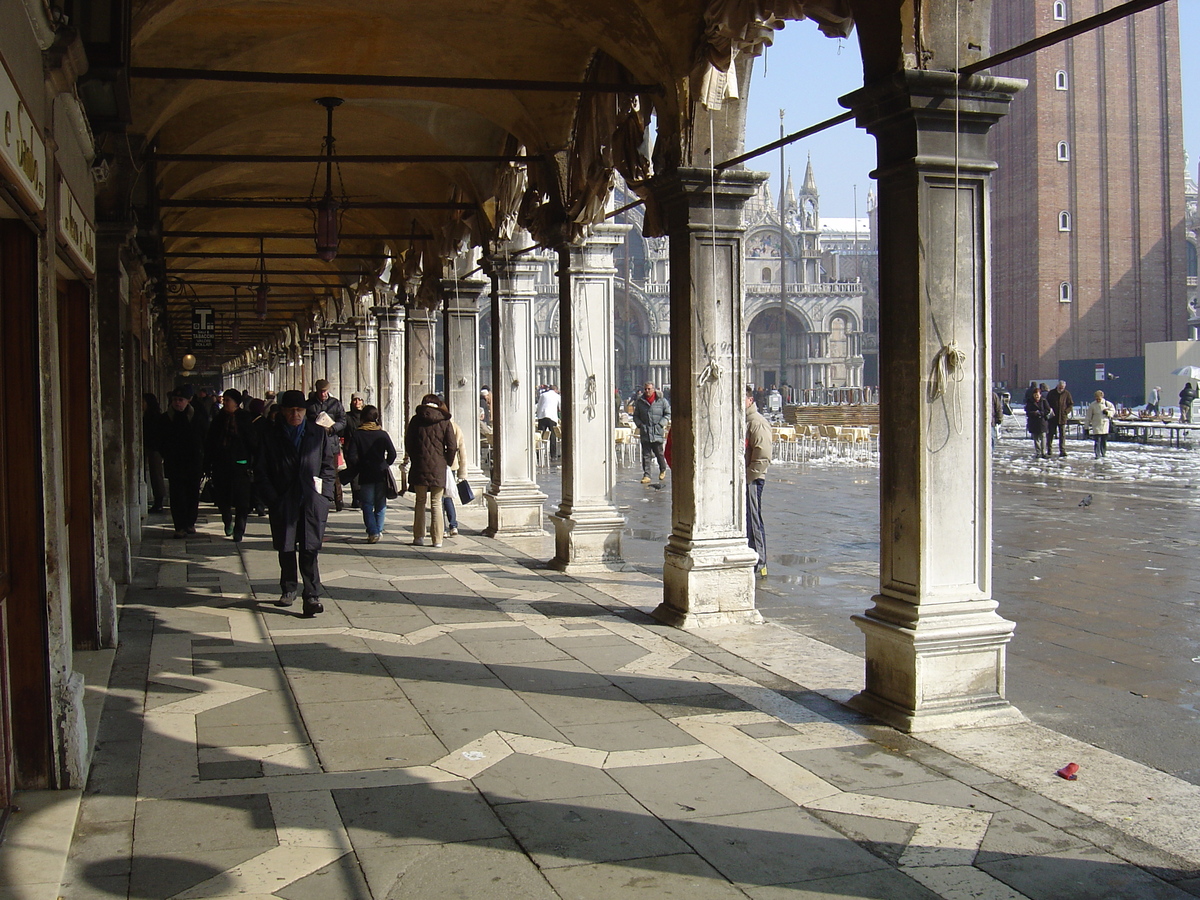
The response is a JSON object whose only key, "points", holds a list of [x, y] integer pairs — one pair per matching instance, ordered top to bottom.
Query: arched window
{"points": [[1060, 11], [1060, 80], [1064, 151], [1064, 221], [766, 275], [1064, 292], [839, 340]]}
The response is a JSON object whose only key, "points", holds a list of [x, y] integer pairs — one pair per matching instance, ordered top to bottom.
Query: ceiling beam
{"points": [[395, 81], [364, 158], [310, 204], [295, 235], [199, 254], [271, 273]]}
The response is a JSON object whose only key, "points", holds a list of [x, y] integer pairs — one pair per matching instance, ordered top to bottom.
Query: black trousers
{"points": [[650, 452], [233, 493], [185, 501], [756, 531], [308, 572]]}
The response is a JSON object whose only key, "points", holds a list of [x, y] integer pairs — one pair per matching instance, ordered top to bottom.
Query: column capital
{"points": [[687, 196], [463, 295], [420, 315]]}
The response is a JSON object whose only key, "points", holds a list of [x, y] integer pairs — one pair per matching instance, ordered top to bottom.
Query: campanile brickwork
{"points": [[1096, 135]]}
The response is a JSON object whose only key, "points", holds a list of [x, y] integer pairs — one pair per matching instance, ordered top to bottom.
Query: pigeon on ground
{"points": [[1086, 501]]}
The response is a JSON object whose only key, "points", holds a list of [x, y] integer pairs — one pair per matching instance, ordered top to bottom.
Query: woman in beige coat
{"points": [[1098, 420]]}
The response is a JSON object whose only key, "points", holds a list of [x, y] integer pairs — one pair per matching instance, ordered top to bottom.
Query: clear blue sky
{"points": [[805, 72]]}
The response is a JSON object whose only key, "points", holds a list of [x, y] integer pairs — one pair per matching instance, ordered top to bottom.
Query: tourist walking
{"points": [[1186, 396], [1155, 398], [321, 402], [358, 403], [1062, 403], [548, 413], [650, 413], [1098, 420], [1037, 421], [181, 438], [429, 447], [230, 452], [369, 457], [758, 458], [295, 472], [455, 472]]}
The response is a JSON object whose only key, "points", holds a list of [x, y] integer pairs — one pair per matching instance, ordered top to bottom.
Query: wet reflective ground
{"points": [[1106, 596]]}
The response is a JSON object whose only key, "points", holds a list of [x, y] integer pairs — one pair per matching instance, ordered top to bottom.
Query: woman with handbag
{"points": [[430, 447], [369, 457], [455, 472]]}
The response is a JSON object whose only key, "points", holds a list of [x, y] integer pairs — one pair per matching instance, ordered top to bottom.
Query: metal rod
{"points": [[1062, 34], [402, 81], [784, 141], [367, 158], [308, 204], [294, 235], [200, 254], [251, 273], [194, 283]]}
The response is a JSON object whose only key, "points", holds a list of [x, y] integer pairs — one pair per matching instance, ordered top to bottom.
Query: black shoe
{"points": [[354, 505], [338, 507], [156, 508], [261, 511], [191, 529], [239, 531], [287, 599], [312, 606]]}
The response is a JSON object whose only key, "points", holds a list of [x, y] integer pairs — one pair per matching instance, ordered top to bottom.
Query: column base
{"points": [[515, 511], [588, 540], [708, 583], [942, 670]]}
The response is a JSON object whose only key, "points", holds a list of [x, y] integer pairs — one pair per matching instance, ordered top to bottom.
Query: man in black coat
{"points": [[320, 402], [182, 445], [295, 473]]}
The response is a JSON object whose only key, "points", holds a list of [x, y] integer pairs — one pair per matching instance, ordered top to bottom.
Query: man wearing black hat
{"points": [[182, 438], [295, 473]]}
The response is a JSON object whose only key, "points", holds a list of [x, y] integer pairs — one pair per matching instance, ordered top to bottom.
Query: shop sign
{"points": [[22, 151], [75, 231], [204, 328]]}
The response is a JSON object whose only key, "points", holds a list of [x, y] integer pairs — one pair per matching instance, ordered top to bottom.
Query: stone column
{"points": [[112, 328], [461, 345], [419, 357], [349, 359], [368, 359], [333, 360], [317, 370], [391, 374], [305, 376], [513, 499], [587, 526], [708, 571], [935, 644]]}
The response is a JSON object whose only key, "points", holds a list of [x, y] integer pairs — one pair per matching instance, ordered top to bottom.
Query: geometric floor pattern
{"points": [[460, 723]]}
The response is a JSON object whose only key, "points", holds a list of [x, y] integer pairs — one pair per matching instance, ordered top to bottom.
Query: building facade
{"points": [[1089, 252]]}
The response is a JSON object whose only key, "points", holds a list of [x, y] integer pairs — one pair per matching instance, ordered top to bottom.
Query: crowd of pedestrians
{"points": [[286, 457]]}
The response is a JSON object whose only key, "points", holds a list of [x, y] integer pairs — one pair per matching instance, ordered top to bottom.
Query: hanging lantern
{"points": [[328, 207], [262, 288], [235, 331], [189, 362]]}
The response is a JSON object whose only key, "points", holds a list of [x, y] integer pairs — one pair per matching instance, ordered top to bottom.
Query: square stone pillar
{"points": [[461, 346], [368, 359], [349, 360], [333, 362], [419, 362], [317, 370], [391, 374], [306, 376], [513, 499], [587, 526], [708, 571], [935, 644]]}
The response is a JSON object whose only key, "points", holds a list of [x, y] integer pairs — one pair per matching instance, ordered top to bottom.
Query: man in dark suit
{"points": [[319, 402], [181, 438], [295, 473]]}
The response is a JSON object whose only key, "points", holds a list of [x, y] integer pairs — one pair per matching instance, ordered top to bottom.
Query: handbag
{"points": [[389, 486], [206, 490], [465, 494]]}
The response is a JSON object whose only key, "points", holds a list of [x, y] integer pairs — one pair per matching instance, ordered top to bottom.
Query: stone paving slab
{"points": [[495, 729]]}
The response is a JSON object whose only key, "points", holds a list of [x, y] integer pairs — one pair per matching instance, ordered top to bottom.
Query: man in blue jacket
{"points": [[295, 473]]}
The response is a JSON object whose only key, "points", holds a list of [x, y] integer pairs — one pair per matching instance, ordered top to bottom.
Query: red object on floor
{"points": [[1069, 772]]}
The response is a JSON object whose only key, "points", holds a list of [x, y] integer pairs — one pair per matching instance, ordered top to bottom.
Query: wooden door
{"points": [[74, 334], [24, 638]]}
